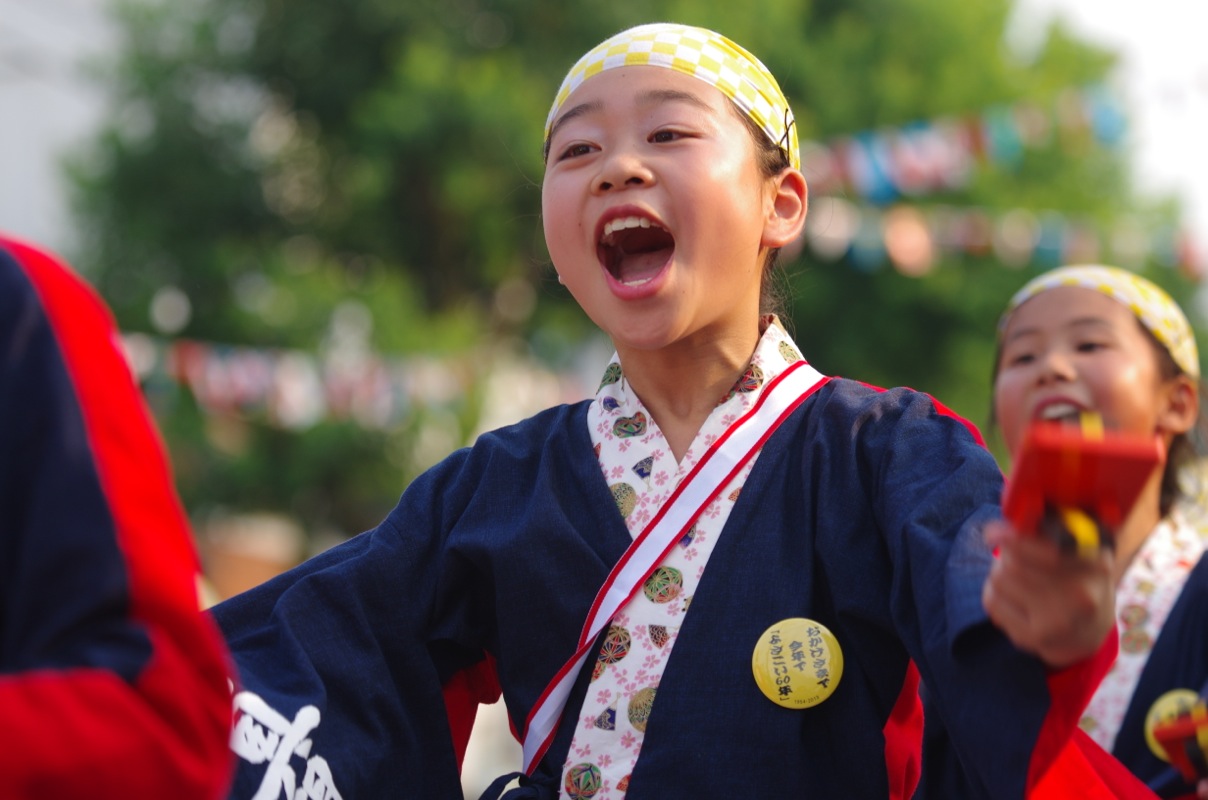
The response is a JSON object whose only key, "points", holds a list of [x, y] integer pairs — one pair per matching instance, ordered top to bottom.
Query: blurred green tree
{"points": [[273, 161]]}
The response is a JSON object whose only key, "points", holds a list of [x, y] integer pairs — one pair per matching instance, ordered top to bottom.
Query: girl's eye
{"points": [[665, 136], [574, 151], [1090, 347], [1019, 359]]}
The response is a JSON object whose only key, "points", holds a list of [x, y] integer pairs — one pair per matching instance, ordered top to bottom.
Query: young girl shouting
{"points": [[1099, 339], [722, 576]]}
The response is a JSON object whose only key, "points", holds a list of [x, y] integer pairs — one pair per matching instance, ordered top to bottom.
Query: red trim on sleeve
{"points": [[940, 409], [944, 411], [1070, 689], [463, 693], [903, 733], [165, 735], [1066, 762], [1083, 769]]}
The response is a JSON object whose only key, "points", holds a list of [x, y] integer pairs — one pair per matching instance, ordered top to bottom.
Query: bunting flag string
{"points": [[930, 156], [912, 238], [297, 390]]}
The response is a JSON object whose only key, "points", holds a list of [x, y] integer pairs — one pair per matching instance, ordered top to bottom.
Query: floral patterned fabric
{"points": [[642, 473], [1147, 592]]}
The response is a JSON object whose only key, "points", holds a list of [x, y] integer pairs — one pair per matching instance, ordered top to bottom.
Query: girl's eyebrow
{"points": [[655, 96], [651, 97], [575, 111], [1080, 322], [1088, 322], [1018, 334]]}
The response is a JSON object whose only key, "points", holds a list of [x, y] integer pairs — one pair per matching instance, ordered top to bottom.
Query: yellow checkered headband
{"points": [[702, 54], [1160, 315]]}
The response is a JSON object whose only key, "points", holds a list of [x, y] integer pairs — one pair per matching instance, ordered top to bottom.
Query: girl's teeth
{"points": [[612, 226], [1059, 411]]}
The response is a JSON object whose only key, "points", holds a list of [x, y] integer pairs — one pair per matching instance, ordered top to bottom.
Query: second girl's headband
{"points": [[1160, 315]]}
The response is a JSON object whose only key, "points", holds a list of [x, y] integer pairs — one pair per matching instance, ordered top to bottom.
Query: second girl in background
{"points": [[1100, 339]]}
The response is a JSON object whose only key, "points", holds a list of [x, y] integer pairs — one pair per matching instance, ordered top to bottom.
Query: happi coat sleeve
{"points": [[864, 512], [370, 659], [112, 683]]}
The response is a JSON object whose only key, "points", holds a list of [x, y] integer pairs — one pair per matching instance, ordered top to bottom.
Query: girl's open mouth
{"points": [[634, 249], [1062, 413]]}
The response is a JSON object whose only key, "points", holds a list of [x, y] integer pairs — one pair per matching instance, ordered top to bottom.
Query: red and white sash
{"points": [[716, 468]]}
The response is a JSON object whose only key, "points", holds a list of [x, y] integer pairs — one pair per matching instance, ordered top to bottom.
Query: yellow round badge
{"points": [[797, 663], [1166, 708]]}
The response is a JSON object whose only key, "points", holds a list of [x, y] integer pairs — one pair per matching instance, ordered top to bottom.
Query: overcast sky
{"points": [[1164, 76], [50, 107]]}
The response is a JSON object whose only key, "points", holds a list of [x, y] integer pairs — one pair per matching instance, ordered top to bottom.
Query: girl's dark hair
{"points": [[771, 160], [1184, 448]]}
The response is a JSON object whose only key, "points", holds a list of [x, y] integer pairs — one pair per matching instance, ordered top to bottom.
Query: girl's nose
{"points": [[622, 169], [1056, 365]]}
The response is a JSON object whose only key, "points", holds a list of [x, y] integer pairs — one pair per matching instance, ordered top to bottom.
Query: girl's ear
{"points": [[788, 202], [1181, 405]]}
